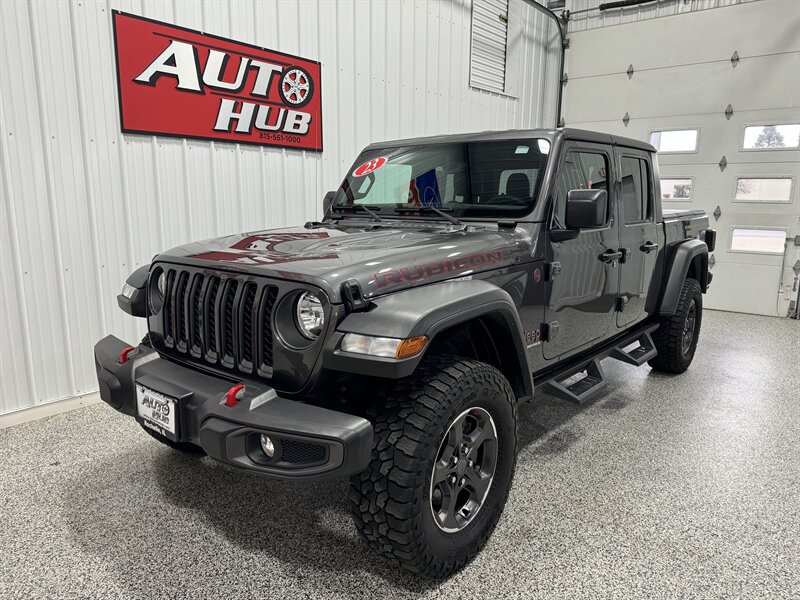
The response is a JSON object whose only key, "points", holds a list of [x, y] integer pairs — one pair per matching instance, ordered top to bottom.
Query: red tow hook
{"points": [[123, 356], [231, 399]]}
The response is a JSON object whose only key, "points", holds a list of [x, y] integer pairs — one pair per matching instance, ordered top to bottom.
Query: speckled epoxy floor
{"points": [[683, 486]]}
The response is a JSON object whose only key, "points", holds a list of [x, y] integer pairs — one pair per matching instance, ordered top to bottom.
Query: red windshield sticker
{"points": [[370, 166]]}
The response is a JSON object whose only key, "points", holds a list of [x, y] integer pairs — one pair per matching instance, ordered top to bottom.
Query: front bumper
{"points": [[311, 442]]}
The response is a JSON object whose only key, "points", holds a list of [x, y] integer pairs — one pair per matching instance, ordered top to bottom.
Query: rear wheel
{"points": [[677, 335], [443, 459]]}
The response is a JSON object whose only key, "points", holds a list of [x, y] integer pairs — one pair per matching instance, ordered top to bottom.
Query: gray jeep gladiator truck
{"points": [[392, 341]]}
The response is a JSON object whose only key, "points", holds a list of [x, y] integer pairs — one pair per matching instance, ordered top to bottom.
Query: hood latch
{"points": [[353, 296]]}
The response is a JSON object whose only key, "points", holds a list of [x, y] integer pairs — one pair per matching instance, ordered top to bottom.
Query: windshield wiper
{"points": [[367, 210], [438, 211]]}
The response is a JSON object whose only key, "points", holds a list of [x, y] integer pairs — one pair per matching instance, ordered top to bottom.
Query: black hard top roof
{"points": [[566, 133]]}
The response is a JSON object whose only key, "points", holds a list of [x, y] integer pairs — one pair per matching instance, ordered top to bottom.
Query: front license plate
{"points": [[158, 410]]}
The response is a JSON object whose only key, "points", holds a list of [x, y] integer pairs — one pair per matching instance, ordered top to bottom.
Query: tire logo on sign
{"points": [[296, 87], [369, 167]]}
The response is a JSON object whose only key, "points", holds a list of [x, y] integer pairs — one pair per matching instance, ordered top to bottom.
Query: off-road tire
{"points": [[672, 357], [391, 499]]}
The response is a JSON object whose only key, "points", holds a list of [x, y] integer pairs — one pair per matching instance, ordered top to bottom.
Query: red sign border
{"points": [[318, 90]]}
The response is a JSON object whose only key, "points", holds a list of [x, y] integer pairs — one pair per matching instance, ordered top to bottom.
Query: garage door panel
{"points": [[693, 37], [689, 87], [702, 89], [718, 136], [712, 188], [728, 221], [740, 287]]}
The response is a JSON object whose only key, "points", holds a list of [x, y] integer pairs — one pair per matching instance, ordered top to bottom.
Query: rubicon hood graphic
{"points": [[380, 259]]}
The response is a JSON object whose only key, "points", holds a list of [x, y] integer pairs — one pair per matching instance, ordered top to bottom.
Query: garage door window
{"points": [[771, 137], [675, 140], [677, 189], [764, 189], [758, 241]]}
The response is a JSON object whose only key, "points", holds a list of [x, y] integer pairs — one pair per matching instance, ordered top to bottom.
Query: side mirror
{"points": [[327, 201], [586, 209]]}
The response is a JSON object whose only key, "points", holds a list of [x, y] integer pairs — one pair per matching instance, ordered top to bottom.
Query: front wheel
{"points": [[677, 335], [443, 459]]}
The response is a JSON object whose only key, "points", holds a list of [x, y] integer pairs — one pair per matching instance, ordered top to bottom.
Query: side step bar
{"points": [[639, 355], [566, 385], [583, 389]]}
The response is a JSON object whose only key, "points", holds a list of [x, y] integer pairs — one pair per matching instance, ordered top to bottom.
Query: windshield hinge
{"points": [[352, 296]]}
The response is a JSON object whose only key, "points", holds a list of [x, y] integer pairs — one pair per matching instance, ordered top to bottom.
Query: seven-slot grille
{"points": [[218, 319]]}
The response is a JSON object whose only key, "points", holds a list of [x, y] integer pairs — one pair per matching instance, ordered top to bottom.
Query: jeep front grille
{"points": [[220, 320]]}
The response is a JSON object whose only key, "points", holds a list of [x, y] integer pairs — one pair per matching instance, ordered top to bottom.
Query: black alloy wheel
{"points": [[688, 328], [464, 469]]}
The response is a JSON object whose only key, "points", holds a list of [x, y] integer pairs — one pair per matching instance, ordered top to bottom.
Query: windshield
{"points": [[476, 179]]}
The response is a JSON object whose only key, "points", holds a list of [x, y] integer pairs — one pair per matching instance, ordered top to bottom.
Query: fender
{"points": [[682, 258], [136, 305], [426, 311]]}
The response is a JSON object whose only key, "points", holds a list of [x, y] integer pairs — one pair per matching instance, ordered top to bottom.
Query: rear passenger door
{"points": [[638, 236]]}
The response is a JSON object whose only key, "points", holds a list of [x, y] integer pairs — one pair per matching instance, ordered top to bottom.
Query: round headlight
{"points": [[162, 284], [156, 291], [309, 315]]}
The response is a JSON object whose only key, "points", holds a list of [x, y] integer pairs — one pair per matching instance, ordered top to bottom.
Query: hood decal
{"points": [[263, 249], [463, 265]]}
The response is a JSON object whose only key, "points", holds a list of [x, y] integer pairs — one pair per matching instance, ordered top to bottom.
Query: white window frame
{"points": [[765, 124], [684, 128], [660, 179], [736, 187], [761, 252]]}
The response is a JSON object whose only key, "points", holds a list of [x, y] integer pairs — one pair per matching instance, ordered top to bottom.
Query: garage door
{"points": [[718, 91]]}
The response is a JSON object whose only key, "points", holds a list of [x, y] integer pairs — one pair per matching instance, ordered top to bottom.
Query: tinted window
{"points": [[580, 171], [477, 179], [635, 189]]}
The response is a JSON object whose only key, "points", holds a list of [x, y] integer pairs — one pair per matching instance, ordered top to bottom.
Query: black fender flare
{"points": [[682, 257], [427, 311]]}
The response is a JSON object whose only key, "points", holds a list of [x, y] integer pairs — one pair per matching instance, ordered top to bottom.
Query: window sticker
{"points": [[370, 166]]}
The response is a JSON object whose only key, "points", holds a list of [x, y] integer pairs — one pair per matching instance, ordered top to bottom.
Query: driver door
{"points": [[582, 284]]}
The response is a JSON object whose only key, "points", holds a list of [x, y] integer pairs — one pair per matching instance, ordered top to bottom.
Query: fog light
{"points": [[267, 446]]}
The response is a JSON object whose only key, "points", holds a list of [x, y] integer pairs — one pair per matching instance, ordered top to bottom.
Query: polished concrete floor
{"points": [[684, 486]]}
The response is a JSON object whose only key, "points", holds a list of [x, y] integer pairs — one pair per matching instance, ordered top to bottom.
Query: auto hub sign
{"points": [[180, 82]]}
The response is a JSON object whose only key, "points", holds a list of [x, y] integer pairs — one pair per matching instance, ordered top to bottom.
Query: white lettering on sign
{"points": [[184, 67], [230, 111]]}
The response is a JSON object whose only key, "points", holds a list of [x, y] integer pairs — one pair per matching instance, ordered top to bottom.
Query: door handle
{"points": [[648, 247], [610, 256]]}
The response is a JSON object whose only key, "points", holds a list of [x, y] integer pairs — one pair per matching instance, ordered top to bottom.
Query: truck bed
{"points": [[673, 214], [684, 223]]}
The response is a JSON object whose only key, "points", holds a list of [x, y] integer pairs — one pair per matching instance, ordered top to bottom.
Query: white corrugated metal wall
{"points": [[582, 18], [683, 78], [81, 205]]}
